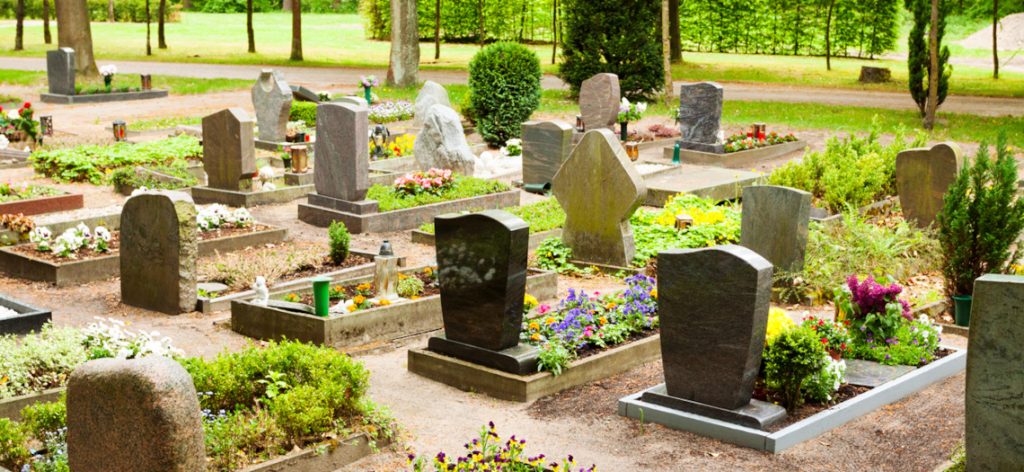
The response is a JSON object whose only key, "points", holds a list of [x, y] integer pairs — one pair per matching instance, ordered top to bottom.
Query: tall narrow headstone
{"points": [[404, 64], [60, 71], [432, 93], [600, 96], [272, 99], [700, 117], [442, 143], [546, 145], [342, 151], [229, 154], [923, 176], [599, 189], [775, 224], [158, 252], [481, 262], [995, 381], [134, 415]]}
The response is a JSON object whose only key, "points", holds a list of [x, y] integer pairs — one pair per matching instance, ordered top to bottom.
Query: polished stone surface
{"points": [[60, 71], [600, 96], [272, 99], [700, 116], [546, 145], [229, 152], [342, 168], [923, 176], [775, 224], [159, 247], [520, 359], [757, 414]]}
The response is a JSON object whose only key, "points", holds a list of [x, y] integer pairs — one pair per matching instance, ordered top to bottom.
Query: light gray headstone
{"points": [[60, 71], [431, 94], [600, 96], [272, 99], [353, 100], [700, 116], [442, 142], [546, 145], [229, 152], [342, 168], [923, 176], [599, 189], [775, 224], [159, 248]]}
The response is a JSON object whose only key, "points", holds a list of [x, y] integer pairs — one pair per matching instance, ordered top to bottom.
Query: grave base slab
{"points": [[101, 97], [206, 195], [519, 360], [756, 414]]}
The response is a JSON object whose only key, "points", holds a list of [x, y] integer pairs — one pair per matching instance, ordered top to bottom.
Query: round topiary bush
{"points": [[504, 80]]}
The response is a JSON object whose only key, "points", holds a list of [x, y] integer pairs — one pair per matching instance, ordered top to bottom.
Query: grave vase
{"points": [[107, 80], [368, 94], [624, 131], [962, 309]]}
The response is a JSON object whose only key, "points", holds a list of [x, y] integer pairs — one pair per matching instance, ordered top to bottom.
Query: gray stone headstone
{"points": [[60, 71], [304, 94], [431, 94], [600, 97], [272, 99], [353, 100], [700, 116], [442, 142], [546, 145], [342, 151], [229, 153], [923, 176], [599, 189], [775, 223], [158, 252], [713, 310], [995, 381], [134, 415]]}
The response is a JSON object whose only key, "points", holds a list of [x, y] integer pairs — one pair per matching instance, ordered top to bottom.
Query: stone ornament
{"points": [[432, 93], [272, 99], [441, 144], [923, 175]]}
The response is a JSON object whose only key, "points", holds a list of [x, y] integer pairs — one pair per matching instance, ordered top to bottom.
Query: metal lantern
{"points": [[147, 81], [46, 125], [580, 125], [120, 130], [379, 137], [385, 249]]}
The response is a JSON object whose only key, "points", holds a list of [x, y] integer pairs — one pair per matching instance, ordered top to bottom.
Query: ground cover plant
{"points": [[744, 142], [96, 163], [432, 186], [24, 191], [542, 216], [276, 263]]}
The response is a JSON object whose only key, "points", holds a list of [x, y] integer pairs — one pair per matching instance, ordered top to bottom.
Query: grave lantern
{"points": [[147, 81], [46, 125], [580, 125], [120, 130], [379, 139], [633, 150], [300, 159], [385, 273]]}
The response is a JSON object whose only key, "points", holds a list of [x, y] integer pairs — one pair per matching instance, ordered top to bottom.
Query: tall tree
{"points": [[110, 11], [162, 12], [248, 26], [19, 30], [296, 30], [437, 30], [483, 30], [554, 31], [73, 32], [828, 35], [47, 38], [995, 39], [149, 45], [676, 46], [666, 49], [919, 57], [933, 67]]}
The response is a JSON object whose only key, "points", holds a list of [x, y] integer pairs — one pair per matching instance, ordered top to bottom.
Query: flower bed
{"points": [[390, 112], [18, 126], [744, 142], [96, 163], [28, 199], [489, 452]]}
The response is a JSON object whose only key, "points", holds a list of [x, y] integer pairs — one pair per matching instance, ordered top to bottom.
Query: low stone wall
{"points": [[737, 160], [206, 195], [427, 239], [29, 318], [11, 407]]}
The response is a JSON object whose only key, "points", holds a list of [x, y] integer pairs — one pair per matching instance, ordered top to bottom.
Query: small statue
{"points": [[262, 292]]}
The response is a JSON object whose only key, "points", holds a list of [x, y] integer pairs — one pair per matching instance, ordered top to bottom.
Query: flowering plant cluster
{"points": [[108, 70], [369, 81], [631, 111], [389, 112], [18, 120], [743, 142], [401, 146], [513, 147], [433, 181], [218, 216], [71, 240], [581, 321], [778, 322], [832, 334], [108, 338], [490, 452]]}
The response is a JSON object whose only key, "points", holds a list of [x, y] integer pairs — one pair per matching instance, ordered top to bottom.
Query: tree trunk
{"points": [[186, 4], [286, 5], [110, 10], [673, 18], [248, 26], [19, 30], [296, 30], [437, 30], [483, 30], [554, 31], [73, 32], [828, 36], [995, 36], [47, 38], [161, 40], [149, 46], [666, 49], [404, 63], [933, 68]]}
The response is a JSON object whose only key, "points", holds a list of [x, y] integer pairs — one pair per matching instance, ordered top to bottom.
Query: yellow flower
{"points": [[429, 271], [402, 276], [362, 287], [654, 293], [414, 297], [359, 299], [530, 301], [385, 302], [610, 306], [352, 308], [602, 320], [549, 321], [778, 322], [534, 326], [535, 336]]}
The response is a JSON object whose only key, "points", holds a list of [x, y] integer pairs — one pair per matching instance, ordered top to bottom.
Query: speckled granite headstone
{"points": [[60, 71], [431, 94], [600, 96], [272, 99], [700, 116], [442, 144], [546, 145], [342, 151], [229, 153], [923, 176], [599, 189], [775, 222], [158, 252], [713, 310], [995, 381], [134, 415]]}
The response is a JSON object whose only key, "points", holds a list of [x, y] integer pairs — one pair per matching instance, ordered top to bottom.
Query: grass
{"points": [[176, 85], [5, 98], [165, 123], [464, 187], [542, 216]]}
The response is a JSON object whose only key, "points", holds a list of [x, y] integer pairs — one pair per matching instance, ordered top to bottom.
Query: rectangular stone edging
{"points": [[101, 97], [19, 157], [739, 159], [733, 190], [206, 195], [41, 205], [406, 218], [427, 239], [22, 266], [28, 319], [467, 376], [631, 406], [11, 407], [347, 451]]}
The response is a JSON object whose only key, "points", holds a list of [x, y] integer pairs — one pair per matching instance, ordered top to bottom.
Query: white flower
{"points": [[109, 69], [641, 107], [13, 114], [4, 142], [514, 142], [266, 173], [140, 191], [241, 217], [83, 231], [102, 234], [40, 235]]}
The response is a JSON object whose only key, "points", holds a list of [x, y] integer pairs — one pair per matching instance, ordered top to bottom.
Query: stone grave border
{"points": [[101, 97], [20, 158], [739, 159], [206, 195], [657, 196], [40, 205], [823, 216], [110, 221], [427, 239], [22, 266], [29, 317], [385, 323], [11, 408], [809, 428], [339, 453]]}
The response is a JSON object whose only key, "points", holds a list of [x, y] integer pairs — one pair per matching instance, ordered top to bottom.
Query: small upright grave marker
{"points": [[272, 99], [700, 117], [923, 176], [775, 224]]}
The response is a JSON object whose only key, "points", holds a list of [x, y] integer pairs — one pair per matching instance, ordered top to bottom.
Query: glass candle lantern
{"points": [[147, 81], [46, 125], [580, 125], [120, 131], [379, 139], [633, 150], [300, 159]]}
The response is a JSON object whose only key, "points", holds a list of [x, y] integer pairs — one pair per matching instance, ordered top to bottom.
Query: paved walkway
{"points": [[332, 78]]}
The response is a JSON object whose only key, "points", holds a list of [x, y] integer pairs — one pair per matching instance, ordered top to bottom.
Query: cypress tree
{"points": [[917, 54]]}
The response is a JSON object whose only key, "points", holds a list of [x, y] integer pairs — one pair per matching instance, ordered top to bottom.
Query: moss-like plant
{"points": [[339, 241]]}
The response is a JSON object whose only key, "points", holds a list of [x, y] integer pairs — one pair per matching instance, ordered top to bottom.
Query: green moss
{"points": [[465, 187]]}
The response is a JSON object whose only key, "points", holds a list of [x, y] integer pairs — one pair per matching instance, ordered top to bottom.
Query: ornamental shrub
{"points": [[618, 36], [504, 82], [303, 111], [339, 241], [410, 287], [790, 360], [821, 385], [13, 452]]}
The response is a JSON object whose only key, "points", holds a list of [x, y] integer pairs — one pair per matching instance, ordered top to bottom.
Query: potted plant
{"points": [[108, 72], [286, 157], [980, 221]]}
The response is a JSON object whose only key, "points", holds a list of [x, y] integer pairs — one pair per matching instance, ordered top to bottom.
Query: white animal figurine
{"points": [[266, 174], [262, 292]]}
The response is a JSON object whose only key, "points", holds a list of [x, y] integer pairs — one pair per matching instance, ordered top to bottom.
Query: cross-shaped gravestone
{"points": [[60, 71], [272, 99], [599, 101], [700, 116], [546, 145], [342, 151], [229, 154], [922, 177], [599, 189], [775, 224], [481, 262]]}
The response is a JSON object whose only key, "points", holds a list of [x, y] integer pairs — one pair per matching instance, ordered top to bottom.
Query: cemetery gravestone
{"points": [[60, 71], [304, 94], [431, 94], [600, 97], [272, 99], [353, 100], [700, 117], [442, 142], [546, 145], [229, 155], [343, 158], [923, 176], [599, 189], [775, 224], [158, 252], [481, 261], [994, 406], [134, 415]]}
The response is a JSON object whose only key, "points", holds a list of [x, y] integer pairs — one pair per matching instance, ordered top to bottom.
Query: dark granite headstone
{"points": [[60, 71], [600, 96], [272, 99], [700, 117], [546, 145], [229, 153], [342, 169], [923, 176], [775, 224], [158, 252], [481, 262], [995, 381]]}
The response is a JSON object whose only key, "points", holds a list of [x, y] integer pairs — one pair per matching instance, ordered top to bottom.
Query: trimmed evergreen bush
{"points": [[918, 56], [504, 80], [303, 111], [339, 237], [791, 359]]}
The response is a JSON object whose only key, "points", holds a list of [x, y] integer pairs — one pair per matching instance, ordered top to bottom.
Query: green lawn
{"points": [[176, 85]]}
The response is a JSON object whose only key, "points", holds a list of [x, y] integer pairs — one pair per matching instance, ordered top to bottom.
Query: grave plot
{"points": [[60, 74], [545, 218], [17, 317]]}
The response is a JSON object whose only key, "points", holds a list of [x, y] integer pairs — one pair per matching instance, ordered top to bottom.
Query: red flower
{"points": [[27, 105], [824, 340]]}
